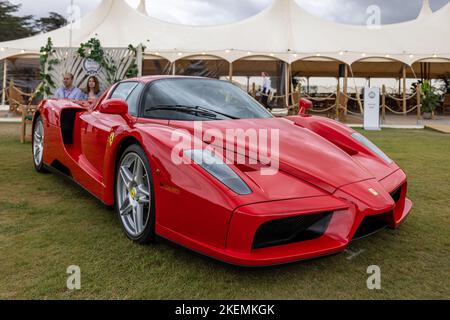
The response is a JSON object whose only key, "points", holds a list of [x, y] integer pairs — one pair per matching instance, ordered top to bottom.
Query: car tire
{"points": [[38, 139], [134, 195]]}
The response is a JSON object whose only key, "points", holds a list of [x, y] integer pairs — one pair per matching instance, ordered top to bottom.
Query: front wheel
{"points": [[38, 146], [135, 203]]}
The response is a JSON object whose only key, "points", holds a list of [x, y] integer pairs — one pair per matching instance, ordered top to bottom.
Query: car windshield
{"points": [[193, 99]]}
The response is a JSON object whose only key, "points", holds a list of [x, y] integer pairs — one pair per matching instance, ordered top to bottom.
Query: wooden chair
{"points": [[16, 98], [27, 112], [27, 118]]}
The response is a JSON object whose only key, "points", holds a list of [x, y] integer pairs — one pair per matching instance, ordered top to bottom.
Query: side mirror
{"points": [[305, 105], [114, 106], [118, 107]]}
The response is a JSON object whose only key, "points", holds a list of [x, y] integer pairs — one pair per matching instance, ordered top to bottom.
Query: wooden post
{"points": [[139, 59], [230, 72], [5, 74], [286, 84], [307, 85], [254, 90], [293, 90], [404, 90], [346, 91], [296, 96], [299, 98], [338, 99], [419, 101], [383, 102], [361, 108], [23, 127]]}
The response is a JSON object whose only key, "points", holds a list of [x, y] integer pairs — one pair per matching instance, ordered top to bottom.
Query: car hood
{"points": [[302, 153]]}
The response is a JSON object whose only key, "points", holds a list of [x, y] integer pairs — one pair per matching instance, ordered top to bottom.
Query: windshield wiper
{"points": [[196, 110]]}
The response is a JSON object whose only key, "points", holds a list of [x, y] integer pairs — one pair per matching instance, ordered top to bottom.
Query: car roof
{"points": [[148, 79]]}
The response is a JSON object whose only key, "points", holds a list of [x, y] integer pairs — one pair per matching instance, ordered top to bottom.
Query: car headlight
{"points": [[369, 144], [219, 170]]}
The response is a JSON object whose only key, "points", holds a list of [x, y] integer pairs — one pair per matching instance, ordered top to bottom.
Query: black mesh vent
{"points": [[290, 230]]}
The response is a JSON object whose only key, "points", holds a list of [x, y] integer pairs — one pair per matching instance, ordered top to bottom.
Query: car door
{"points": [[96, 127]]}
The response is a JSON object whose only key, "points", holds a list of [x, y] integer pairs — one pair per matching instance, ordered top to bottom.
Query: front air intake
{"points": [[396, 195], [372, 224], [291, 230]]}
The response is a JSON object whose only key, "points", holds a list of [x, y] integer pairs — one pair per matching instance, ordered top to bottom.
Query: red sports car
{"points": [[199, 162]]}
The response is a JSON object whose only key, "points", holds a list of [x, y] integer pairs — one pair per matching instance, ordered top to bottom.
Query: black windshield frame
{"points": [[265, 114]]}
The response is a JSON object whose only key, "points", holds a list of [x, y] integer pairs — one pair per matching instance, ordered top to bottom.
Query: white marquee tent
{"points": [[284, 31], [284, 40]]}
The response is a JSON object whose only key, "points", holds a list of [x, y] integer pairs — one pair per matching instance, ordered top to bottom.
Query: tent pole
{"points": [[174, 68], [230, 72], [5, 73], [286, 84], [291, 86], [346, 90], [404, 90], [338, 99], [383, 102], [419, 102]]}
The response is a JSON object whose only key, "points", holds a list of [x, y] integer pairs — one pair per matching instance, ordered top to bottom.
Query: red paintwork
{"points": [[321, 169]]}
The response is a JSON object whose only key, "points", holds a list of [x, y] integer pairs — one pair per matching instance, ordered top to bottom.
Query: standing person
{"points": [[266, 87], [92, 90], [68, 91]]}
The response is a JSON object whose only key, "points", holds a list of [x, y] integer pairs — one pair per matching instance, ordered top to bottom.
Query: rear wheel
{"points": [[38, 146], [134, 196]]}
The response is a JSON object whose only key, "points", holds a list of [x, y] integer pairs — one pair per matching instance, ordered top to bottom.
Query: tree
{"points": [[52, 22], [13, 26]]}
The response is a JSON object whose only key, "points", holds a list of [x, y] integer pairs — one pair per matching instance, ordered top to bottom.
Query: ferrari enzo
{"points": [[153, 148]]}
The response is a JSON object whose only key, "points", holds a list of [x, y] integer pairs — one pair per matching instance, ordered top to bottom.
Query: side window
{"points": [[123, 90], [133, 100]]}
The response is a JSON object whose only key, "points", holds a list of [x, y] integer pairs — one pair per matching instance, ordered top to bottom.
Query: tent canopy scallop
{"points": [[284, 31]]}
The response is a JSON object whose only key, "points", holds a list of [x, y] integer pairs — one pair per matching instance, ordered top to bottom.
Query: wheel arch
{"points": [[36, 115], [112, 160]]}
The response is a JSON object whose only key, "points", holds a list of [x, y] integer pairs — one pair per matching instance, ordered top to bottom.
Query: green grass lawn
{"points": [[48, 224]]}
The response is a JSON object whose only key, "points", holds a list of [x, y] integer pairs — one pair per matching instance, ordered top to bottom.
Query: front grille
{"points": [[371, 225], [291, 230]]}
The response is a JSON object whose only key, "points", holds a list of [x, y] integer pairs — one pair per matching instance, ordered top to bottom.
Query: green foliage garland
{"points": [[93, 50], [46, 64], [133, 70]]}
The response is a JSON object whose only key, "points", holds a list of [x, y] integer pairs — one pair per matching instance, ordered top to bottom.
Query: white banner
{"points": [[372, 108]]}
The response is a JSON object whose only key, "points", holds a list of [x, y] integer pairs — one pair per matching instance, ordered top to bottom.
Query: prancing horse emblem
{"points": [[111, 138]]}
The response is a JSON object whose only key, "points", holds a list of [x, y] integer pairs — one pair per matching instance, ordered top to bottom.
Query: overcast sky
{"points": [[207, 12]]}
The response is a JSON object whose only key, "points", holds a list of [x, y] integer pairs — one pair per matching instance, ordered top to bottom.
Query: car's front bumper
{"points": [[349, 216]]}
